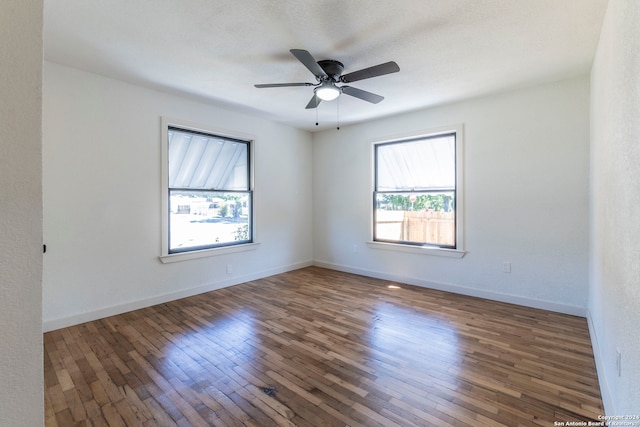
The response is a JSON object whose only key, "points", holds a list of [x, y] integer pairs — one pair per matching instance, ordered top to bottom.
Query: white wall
{"points": [[102, 195], [526, 198], [614, 300], [21, 377]]}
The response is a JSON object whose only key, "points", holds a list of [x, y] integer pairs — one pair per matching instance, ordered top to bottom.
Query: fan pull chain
{"points": [[338, 113], [316, 115]]}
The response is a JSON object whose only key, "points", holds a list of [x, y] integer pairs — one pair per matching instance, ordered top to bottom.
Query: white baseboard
{"points": [[447, 287], [63, 322], [53, 324], [607, 401]]}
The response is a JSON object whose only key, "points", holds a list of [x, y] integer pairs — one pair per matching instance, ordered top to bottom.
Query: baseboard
{"points": [[448, 287], [75, 319], [63, 322], [605, 393]]}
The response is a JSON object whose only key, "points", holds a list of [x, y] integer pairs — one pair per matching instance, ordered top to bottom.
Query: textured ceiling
{"points": [[218, 49]]}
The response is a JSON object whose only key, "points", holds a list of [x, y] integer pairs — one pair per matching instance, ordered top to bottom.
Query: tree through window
{"points": [[209, 191], [415, 191]]}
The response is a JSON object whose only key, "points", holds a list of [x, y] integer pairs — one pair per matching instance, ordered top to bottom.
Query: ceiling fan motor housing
{"points": [[333, 68]]}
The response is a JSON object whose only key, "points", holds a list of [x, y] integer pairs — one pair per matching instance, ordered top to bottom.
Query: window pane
{"points": [[202, 161], [424, 164], [417, 218], [206, 219]]}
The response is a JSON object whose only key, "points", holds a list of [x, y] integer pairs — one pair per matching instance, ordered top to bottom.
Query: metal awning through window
{"points": [[205, 162], [423, 164]]}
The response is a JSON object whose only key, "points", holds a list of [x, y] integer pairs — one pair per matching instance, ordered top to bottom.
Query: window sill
{"points": [[420, 250], [184, 256]]}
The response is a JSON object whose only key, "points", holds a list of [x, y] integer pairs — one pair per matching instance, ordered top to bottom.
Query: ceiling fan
{"points": [[328, 72]]}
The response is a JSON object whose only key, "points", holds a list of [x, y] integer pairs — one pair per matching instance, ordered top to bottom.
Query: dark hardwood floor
{"points": [[315, 347]]}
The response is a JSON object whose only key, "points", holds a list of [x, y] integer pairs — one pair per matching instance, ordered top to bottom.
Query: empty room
{"points": [[279, 213]]}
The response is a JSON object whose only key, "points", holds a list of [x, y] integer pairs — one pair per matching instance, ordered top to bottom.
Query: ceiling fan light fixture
{"points": [[327, 91]]}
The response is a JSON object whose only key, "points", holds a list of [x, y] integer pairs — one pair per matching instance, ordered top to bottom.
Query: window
{"points": [[416, 191], [208, 197]]}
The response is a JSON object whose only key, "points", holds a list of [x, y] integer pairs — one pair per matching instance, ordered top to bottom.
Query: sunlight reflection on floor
{"points": [[415, 335], [231, 336]]}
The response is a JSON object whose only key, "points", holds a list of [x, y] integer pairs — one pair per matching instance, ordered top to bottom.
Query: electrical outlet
{"points": [[506, 267], [229, 269], [618, 362]]}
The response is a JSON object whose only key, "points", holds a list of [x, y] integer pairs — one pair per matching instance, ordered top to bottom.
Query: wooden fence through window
{"points": [[416, 226]]}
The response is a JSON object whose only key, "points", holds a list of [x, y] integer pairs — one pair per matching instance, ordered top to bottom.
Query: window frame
{"points": [[457, 250], [167, 255]]}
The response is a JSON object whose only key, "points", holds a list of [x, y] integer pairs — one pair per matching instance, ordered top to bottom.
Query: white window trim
{"points": [[419, 250], [459, 251], [203, 253], [166, 257]]}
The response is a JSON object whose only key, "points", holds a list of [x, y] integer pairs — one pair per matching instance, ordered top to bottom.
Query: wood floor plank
{"points": [[315, 347]]}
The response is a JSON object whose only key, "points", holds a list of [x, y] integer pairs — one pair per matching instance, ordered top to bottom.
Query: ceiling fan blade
{"points": [[309, 62], [367, 73], [283, 85], [362, 94], [313, 102]]}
